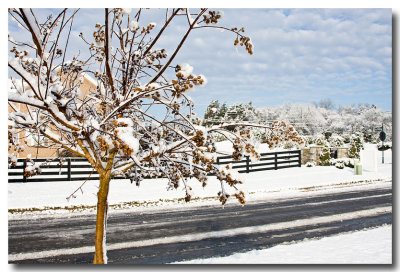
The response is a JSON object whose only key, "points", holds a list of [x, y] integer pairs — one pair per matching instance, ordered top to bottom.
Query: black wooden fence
{"points": [[268, 161], [80, 169], [54, 170]]}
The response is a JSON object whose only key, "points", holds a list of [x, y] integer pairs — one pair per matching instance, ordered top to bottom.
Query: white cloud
{"points": [[299, 53]]}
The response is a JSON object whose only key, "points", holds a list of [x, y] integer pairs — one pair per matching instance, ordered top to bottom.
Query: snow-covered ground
{"points": [[283, 183], [368, 246], [373, 246]]}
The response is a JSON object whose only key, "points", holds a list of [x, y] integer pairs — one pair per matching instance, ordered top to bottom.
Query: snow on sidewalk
{"points": [[373, 246]]}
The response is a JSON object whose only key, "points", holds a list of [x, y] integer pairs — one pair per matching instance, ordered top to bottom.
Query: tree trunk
{"points": [[100, 256]]}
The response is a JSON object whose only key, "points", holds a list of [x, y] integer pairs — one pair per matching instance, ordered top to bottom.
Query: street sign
{"points": [[382, 137]]}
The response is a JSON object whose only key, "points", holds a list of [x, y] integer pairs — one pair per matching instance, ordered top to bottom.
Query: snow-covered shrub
{"points": [[346, 138], [370, 138], [308, 140], [320, 140], [336, 141], [289, 145], [356, 145], [325, 156], [348, 162], [310, 164], [339, 165]]}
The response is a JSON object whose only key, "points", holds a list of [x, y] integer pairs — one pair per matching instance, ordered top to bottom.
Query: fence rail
{"points": [[268, 161], [80, 169], [54, 170]]}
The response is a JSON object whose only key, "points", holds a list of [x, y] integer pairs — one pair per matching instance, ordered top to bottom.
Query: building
{"points": [[40, 147]]}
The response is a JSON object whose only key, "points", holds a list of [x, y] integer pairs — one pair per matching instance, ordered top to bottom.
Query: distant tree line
{"points": [[318, 118]]}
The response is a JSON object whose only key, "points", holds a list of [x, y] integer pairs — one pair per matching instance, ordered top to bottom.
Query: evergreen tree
{"points": [[356, 144], [325, 156]]}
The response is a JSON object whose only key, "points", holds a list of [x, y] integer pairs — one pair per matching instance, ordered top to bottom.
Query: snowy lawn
{"points": [[256, 185], [373, 246]]}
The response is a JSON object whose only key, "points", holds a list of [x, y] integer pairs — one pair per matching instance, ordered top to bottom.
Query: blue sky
{"points": [[300, 55]]}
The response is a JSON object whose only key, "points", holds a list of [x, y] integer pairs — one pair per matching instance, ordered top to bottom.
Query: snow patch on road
{"points": [[372, 246]]}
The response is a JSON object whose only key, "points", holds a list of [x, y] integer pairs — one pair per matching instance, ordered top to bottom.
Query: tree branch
{"points": [[33, 29], [107, 45], [179, 47]]}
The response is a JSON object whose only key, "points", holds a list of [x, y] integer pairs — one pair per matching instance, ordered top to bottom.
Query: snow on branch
{"points": [[26, 100], [113, 119]]}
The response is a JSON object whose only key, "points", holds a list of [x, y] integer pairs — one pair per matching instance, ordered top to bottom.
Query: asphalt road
{"points": [[177, 235]]}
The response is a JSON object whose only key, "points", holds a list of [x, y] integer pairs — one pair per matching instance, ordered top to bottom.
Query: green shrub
{"points": [[356, 145], [325, 156]]}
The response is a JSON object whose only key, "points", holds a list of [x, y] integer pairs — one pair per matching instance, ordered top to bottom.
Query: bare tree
{"points": [[325, 104], [135, 123]]}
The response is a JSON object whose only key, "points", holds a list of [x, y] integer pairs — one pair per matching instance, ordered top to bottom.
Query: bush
{"points": [[346, 138], [308, 140], [315, 140], [320, 140], [336, 141], [356, 144], [289, 145], [325, 156], [347, 162], [310, 164], [339, 165]]}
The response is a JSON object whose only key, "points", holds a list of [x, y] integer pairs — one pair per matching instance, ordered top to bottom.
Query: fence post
{"points": [[218, 160], [276, 161], [247, 164], [69, 169], [23, 171]]}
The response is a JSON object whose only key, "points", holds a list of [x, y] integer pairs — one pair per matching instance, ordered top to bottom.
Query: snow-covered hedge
{"points": [[342, 162]]}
